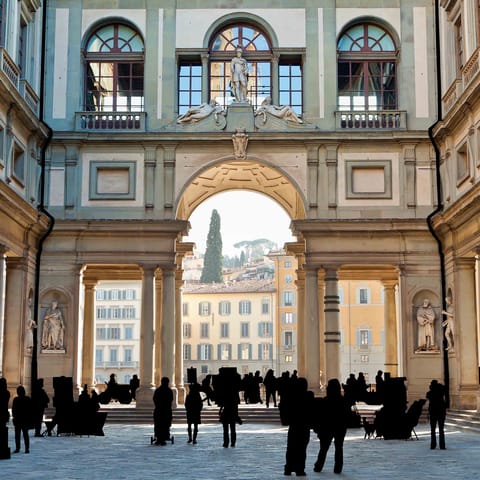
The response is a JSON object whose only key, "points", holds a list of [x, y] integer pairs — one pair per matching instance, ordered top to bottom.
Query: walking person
{"points": [[193, 406], [437, 410], [22, 413], [162, 415], [298, 415], [331, 424]]}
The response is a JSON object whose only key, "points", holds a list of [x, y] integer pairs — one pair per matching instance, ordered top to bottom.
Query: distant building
{"points": [[117, 315]]}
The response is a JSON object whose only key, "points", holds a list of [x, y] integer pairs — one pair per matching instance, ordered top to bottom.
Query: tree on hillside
{"points": [[255, 249], [212, 261]]}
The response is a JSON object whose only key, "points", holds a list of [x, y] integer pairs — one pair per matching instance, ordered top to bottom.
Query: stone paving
{"points": [[125, 453]]}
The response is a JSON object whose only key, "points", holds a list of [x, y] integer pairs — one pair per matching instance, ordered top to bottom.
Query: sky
{"points": [[243, 216]]}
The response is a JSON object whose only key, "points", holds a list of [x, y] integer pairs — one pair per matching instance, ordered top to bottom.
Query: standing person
{"points": [[134, 384], [270, 384], [207, 389], [4, 399], [40, 401], [193, 406], [437, 410], [162, 415], [229, 415], [299, 417], [22, 418], [331, 425]]}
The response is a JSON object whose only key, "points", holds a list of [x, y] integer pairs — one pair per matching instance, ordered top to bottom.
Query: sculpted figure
{"points": [[239, 76], [284, 112], [194, 114], [240, 142], [426, 320], [449, 323], [30, 325], [53, 329]]}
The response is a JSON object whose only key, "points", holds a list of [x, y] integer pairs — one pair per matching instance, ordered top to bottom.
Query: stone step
{"points": [[468, 420]]}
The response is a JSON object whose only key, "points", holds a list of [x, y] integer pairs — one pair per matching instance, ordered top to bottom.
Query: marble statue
{"points": [[239, 76], [284, 112], [195, 114], [449, 323], [30, 325], [426, 327], [53, 328]]}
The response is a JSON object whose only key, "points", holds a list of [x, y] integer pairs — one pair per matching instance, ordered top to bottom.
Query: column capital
{"points": [[3, 249], [464, 263], [149, 268], [389, 283]]}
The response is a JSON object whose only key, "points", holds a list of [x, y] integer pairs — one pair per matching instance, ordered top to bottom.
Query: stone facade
{"points": [[358, 176]]}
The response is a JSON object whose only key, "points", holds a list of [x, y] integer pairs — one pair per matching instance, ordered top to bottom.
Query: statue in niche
{"points": [[239, 76], [283, 112], [195, 114], [240, 141], [449, 323], [30, 325], [426, 327], [53, 330]]}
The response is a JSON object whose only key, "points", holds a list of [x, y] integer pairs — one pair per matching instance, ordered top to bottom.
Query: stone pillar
{"points": [[205, 77], [275, 92], [150, 163], [3, 272], [477, 296], [321, 322], [332, 324], [168, 325], [466, 327], [312, 329], [179, 336], [391, 337], [88, 346], [301, 360], [13, 365], [157, 373], [145, 392]]}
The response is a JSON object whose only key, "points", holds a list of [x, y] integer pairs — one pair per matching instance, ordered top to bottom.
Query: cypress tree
{"points": [[212, 262]]}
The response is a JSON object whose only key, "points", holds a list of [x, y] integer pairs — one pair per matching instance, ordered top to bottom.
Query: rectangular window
{"points": [[2, 22], [459, 46], [290, 85], [189, 86], [18, 162], [287, 264], [100, 294], [130, 294], [363, 296], [288, 299], [265, 306], [245, 307], [224, 308], [185, 309], [204, 309], [101, 312], [288, 317], [244, 329], [265, 329], [187, 330], [204, 330], [224, 330], [101, 333], [113, 333], [128, 333], [364, 338], [288, 339], [187, 351], [225, 351], [245, 351], [265, 351], [205, 352], [113, 354], [128, 355], [98, 357], [288, 358], [364, 358]]}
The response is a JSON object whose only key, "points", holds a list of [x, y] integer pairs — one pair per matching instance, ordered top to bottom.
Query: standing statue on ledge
{"points": [[239, 76], [449, 323], [53, 329], [426, 330]]}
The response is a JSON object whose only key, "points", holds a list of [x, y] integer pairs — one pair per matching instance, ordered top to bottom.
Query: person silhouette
{"points": [[134, 384], [270, 384], [40, 401], [193, 406], [437, 409], [22, 413], [228, 414], [162, 415], [298, 417], [331, 424]]}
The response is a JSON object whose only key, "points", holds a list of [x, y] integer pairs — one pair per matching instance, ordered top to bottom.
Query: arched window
{"points": [[256, 50], [367, 61], [114, 62]]}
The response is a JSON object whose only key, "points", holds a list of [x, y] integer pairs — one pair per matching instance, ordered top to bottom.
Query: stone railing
{"points": [[9, 68], [471, 68], [29, 95], [371, 120], [110, 121]]}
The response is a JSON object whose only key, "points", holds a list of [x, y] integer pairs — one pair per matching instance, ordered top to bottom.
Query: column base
{"points": [[144, 396]]}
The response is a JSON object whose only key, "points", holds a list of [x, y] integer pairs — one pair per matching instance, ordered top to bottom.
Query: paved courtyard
{"points": [[125, 453]]}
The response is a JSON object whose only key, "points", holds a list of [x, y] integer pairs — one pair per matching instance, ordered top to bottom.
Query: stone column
{"points": [[205, 77], [275, 92], [3, 272], [477, 296], [321, 321], [332, 324], [168, 325], [312, 329], [465, 333], [179, 336], [391, 337], [88, 347], [301, 360], [13, 365], [157, 373], [145, 392]]}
